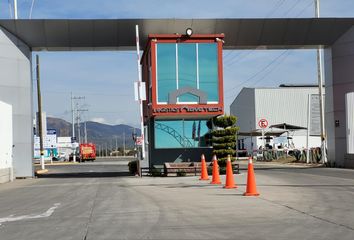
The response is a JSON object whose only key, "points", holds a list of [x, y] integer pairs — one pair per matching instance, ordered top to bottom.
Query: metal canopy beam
{"points": [[118, 34]]}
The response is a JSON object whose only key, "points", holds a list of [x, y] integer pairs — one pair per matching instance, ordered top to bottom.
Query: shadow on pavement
{"points": [[294, 168], [85, 175], [306, 185]]}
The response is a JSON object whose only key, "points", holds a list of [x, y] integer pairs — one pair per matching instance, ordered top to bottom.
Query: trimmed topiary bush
{"points": [[223, 137]]}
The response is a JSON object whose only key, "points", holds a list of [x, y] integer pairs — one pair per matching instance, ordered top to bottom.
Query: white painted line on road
{"points": [[48, 213]]}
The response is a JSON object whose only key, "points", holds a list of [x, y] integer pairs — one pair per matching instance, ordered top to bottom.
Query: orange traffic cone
{"points": [[204, 171], [216, 176], [230, 183], [251, 189]]}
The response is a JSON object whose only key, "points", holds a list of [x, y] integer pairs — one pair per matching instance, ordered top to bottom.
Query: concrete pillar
{"points": [[339, 80], [16, 90]]}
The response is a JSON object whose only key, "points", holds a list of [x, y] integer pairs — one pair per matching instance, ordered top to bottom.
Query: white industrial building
{"points": [[287, 104], [6, 143]]}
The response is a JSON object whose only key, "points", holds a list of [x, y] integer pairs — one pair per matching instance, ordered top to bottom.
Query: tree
{"points": [[223, 137]]}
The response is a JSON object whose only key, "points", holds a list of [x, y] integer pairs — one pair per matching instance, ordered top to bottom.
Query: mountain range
{"points": [[98, 133]]}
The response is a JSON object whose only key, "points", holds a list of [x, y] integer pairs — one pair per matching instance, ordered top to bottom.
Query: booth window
{"points": [[183, 65], [180, 133]]}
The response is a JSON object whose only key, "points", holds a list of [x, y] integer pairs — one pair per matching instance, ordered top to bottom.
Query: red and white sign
{"points": [[263, 123], [139, 141]]}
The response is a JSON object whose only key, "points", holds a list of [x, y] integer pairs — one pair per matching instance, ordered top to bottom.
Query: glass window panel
{"points": [[166, 70], [187, 70], [208, 70], [167, 134], [180, 134]]}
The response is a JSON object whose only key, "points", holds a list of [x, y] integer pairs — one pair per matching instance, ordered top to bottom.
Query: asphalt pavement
{"points": [[100, 200]]}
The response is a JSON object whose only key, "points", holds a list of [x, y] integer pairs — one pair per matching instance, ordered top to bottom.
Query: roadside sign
{"points": [[263, 123], [51, 132], [139, 141]]}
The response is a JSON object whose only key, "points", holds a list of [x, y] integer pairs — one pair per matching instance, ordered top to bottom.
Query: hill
{"points": [[98, 133]]}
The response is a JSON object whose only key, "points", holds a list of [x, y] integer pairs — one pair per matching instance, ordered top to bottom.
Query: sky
{"points": [[106, 79]]}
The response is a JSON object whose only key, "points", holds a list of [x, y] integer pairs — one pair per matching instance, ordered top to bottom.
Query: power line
{"points": [[277, 6], [292, 7], [10, 8], [31, 9], [304, 9], [228, 65], [272, 69], [258, 72], [267, 73], [88, 93]]}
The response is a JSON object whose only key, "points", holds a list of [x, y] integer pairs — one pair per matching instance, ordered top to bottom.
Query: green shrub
{"points": [[225, 121], [225, 132], [224, 137], [230, 138], [227, 145], [223, 153], [222, 161], [133, 166], [210, 170], [222, 170], [156, 172], [181, 173]]}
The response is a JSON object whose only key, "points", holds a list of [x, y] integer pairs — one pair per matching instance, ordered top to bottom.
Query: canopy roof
{"points": [[113, 34], [287, 126], [267, 132]]}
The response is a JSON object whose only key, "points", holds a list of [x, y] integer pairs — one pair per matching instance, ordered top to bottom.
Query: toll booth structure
{"points": [[183, 75]]}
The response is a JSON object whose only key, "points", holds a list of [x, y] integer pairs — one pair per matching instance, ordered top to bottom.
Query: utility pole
{"points": [[15, 9], [320, 91], [141, 92], [73, 99], [79, 110], [78, 123], [73, 128], [85, 129], [124, 144], [135, 146], [41, 150]]}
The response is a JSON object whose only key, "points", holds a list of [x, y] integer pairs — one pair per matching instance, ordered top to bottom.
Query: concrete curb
{"points": [[63, 163], [58, 164], [41, 171]]}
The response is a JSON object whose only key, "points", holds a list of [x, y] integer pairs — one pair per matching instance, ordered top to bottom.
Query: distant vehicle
{"points": [[87, 152], [63, 156], [71, 157]]}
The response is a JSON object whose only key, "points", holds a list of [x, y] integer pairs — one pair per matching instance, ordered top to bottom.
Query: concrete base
{"points": [[349, 161], [6, 175]]}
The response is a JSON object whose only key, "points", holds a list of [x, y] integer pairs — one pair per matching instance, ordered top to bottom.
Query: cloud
{"points": [[99, 120], [119, 121]]}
